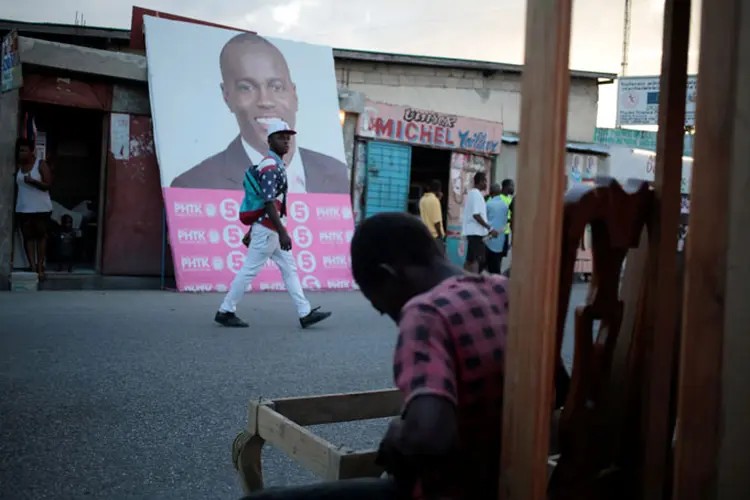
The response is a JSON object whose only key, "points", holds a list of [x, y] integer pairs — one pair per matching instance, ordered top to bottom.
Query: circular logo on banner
{"points": [[230, 209], [210, 210], [299, 211], [233, 235], [214, 236], [302, 236], [235, 259], [306, 261], [218, 264], [310, 283]]}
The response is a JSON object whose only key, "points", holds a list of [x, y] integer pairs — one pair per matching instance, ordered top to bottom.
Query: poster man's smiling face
{"points": [[257, 87]]}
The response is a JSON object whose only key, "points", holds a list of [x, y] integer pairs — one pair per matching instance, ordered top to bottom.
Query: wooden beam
{"points": [[83, 59], [716, 318], [661, 320], [531, 357], [334, 408], [314, 453], [359, 464]]}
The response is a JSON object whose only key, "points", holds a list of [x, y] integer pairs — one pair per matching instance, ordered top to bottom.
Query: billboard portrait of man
{"points": [[257, 86]]}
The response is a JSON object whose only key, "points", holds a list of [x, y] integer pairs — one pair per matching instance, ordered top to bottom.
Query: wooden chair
{"points": [[598, 427]]}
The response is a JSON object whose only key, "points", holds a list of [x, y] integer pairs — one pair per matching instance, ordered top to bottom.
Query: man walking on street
{"points": [[264, 209], [431, 212], [497, 216], [475, 226]]}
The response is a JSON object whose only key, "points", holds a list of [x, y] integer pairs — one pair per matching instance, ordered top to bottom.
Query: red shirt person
{"points": [[448, 362]]}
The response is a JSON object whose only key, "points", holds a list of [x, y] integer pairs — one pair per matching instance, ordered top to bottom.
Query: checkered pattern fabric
{"points": [[451, 344]]}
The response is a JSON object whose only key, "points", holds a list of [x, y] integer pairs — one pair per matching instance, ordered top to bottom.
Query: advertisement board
{"points": [[11, 76], [212, 92], [638, 101], [419, 127]]}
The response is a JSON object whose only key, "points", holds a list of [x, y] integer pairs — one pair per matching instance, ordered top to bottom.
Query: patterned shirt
{"points": [[270, 174], [452, 344]]}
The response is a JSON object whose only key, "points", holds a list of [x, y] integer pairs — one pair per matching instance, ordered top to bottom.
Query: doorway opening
{"points": [[70, 141], [427, 165]]}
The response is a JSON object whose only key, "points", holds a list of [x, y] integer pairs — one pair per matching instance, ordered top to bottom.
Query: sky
{"points": [[465, 29]]}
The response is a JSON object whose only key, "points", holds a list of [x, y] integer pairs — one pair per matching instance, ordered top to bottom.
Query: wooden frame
{"points": [[281, 423]]}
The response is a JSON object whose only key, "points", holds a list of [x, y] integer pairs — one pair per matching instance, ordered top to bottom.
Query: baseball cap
{"points": [[275, 126]]}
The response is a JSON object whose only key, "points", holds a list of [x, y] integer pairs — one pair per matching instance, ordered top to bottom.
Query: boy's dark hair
{"points": [[21, 142], [479, 177], [506, 183], [435, 186], [392, 238]]}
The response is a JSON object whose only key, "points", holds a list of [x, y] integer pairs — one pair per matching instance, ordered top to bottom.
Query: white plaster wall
{"points": [[464, 92]]}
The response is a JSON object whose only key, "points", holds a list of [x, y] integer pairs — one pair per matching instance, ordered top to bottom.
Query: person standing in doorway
{"points": [[33, 203], [264, 209], [431, 212], [497, 216], [475, 226]]}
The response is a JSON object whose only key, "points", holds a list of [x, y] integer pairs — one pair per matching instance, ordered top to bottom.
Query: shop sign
{"points": [[11, 63], [429, 128]]}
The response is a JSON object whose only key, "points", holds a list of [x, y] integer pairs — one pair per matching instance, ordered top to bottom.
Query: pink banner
{"points": [[429, 128], [206, 239]]}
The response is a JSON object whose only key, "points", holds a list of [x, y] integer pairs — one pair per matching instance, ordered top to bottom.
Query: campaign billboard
{"points": [[213, 91]]}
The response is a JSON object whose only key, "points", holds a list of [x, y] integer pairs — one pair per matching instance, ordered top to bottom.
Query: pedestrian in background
{"points": [[431, 211], [497, 217]]}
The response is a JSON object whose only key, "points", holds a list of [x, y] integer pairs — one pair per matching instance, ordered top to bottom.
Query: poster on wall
{"points": [[11, 75], [213, 91], [638, 101]]}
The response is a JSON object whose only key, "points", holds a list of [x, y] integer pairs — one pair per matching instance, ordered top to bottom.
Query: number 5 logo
{"points": [[230, 209], [299, 212], [233, 235], [302, 236], [235, 260], [306, 261], [310, 283]]}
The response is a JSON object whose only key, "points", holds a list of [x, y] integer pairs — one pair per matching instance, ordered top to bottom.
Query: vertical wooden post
{"points": [[537, 232], [662, 315], [716, 315], [734, 449]]}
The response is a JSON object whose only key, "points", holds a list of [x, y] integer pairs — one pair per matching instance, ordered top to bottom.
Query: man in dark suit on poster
{"points": [[257, 87]]}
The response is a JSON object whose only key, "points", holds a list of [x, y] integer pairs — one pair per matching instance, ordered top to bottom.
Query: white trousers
{"points": [[264, 245]]}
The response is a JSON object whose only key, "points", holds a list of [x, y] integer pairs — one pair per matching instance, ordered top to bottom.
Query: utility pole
{"points": [[625, 39]]}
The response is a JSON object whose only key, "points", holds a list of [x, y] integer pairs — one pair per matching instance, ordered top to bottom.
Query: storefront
{"points": [[91, 126], [400, 150]]}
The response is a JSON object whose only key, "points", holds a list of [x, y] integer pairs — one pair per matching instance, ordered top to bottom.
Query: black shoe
{"points": [[315, 316], [229, 319]]}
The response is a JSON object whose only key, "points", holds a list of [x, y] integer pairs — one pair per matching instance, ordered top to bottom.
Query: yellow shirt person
{"points": [[431, 211]]}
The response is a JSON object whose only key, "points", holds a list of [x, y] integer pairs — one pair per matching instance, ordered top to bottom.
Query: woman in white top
{"points": [[33, 203]]}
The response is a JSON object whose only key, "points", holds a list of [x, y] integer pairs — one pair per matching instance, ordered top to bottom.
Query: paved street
{"points": [[137, 395]]}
